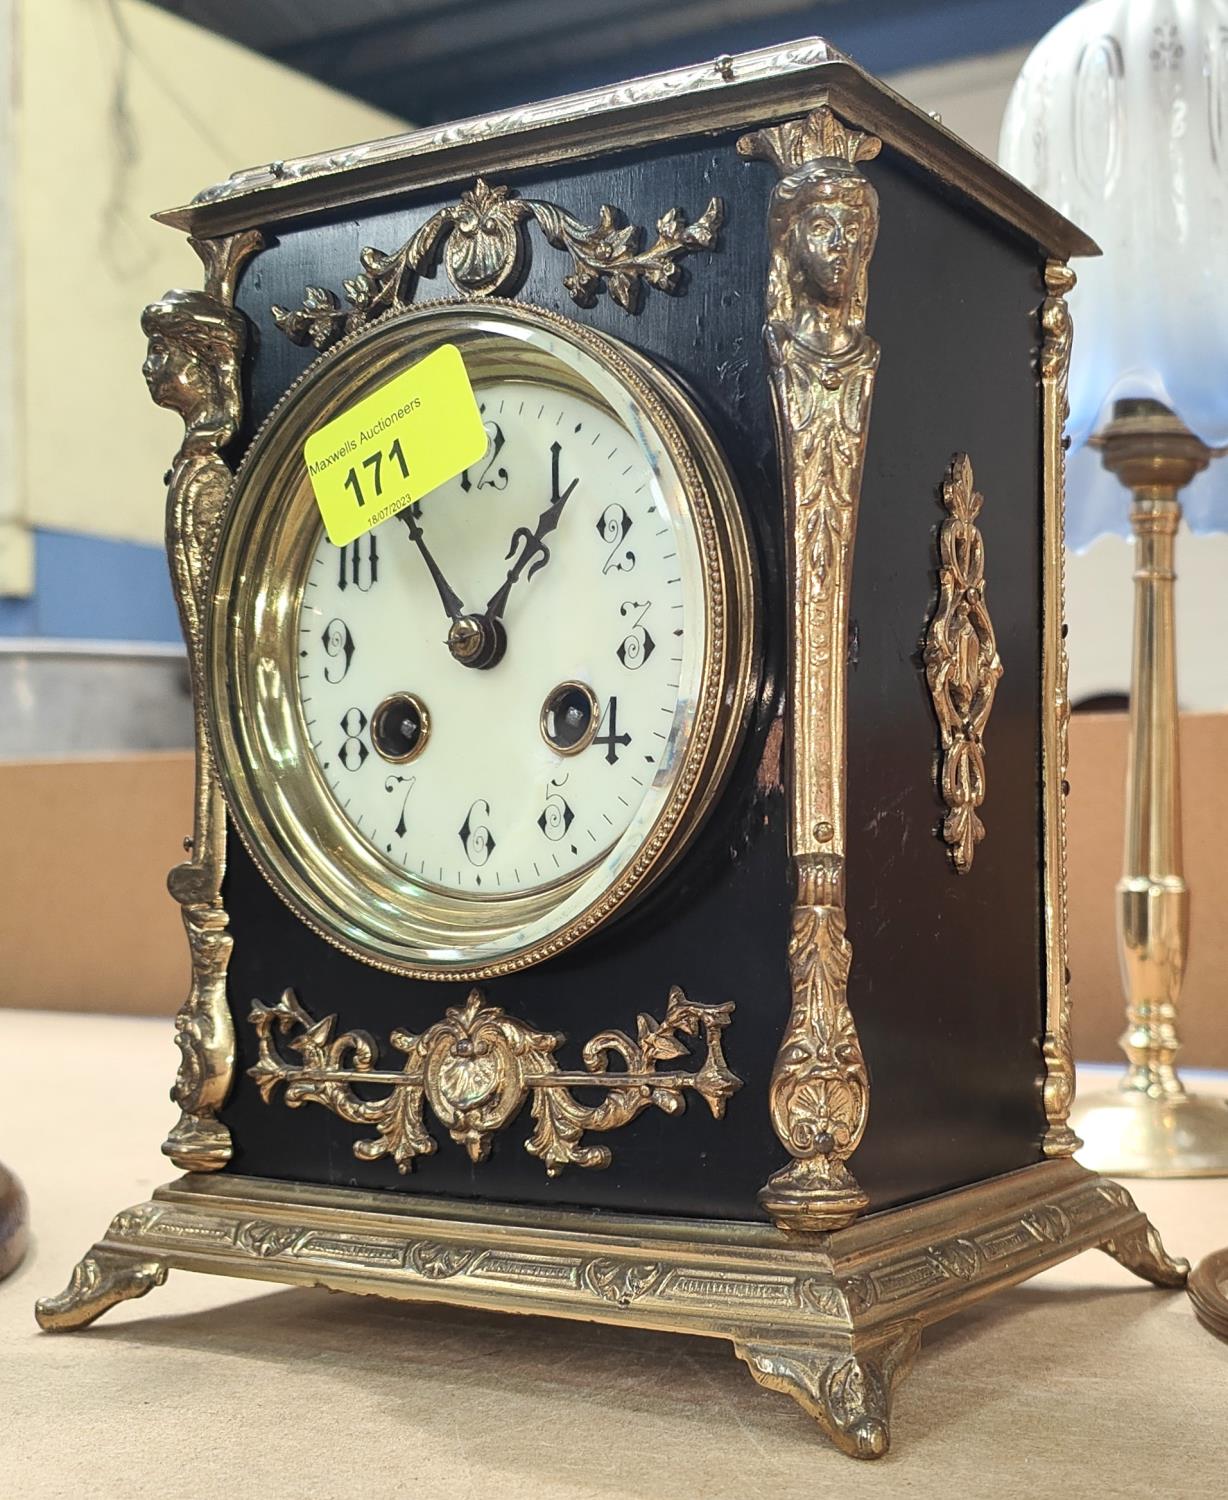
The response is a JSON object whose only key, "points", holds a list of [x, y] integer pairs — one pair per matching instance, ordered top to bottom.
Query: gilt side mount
{"points": [[962, 665]]}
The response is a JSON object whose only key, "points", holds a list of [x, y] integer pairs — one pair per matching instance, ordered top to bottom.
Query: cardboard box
{"points": [[86, 922]]}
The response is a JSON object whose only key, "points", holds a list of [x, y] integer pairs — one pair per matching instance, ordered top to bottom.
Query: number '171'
{"points": [[375, 462]]}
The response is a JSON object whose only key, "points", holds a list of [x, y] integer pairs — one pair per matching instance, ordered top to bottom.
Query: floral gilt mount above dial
{"points": [[482, 243], [476, 1067]]}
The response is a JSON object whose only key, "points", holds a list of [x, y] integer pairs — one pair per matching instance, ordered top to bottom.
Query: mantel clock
{"points": [[628, 882]]}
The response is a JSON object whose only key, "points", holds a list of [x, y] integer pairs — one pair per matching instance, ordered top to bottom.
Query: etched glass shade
{"points": [[1119, 118]]}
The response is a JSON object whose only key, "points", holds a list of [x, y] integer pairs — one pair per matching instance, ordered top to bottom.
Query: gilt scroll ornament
{"points": [[822, 225], [482, 242], [196, 343], [962, 665], [475, 1069]]}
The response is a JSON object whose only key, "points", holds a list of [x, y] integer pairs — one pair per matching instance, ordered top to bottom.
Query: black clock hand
{"points": [[533, 545], [448, 596]]}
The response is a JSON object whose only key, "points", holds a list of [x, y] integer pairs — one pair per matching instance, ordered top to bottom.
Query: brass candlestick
{"points": [[1149, 1126]]}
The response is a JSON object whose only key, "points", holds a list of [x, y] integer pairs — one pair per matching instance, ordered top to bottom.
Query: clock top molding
{"points": [[772, 82]]}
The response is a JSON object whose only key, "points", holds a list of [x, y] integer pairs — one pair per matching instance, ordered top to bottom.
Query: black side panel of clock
{"points": [[947, 986], [947, 1004]]}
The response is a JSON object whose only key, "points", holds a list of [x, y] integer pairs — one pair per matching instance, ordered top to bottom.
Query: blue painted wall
{"points": [[883, 36], [89, 588]]}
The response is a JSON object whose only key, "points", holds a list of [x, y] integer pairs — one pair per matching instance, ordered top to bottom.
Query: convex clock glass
{"points": [[470, 735]]}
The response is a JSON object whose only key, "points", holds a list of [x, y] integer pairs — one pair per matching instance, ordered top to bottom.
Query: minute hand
{"points": [[534, 548], [447, 595]]}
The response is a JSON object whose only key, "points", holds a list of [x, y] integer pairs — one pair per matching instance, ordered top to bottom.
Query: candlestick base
{"points": [[1129, 1133], [14, 1232], [1208, 1289]]}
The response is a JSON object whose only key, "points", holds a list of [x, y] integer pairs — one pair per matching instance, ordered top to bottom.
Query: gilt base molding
{"points": [[830, 1319]]}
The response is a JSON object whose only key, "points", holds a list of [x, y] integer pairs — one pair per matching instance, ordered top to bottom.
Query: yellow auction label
{"points": [[416, 432]]}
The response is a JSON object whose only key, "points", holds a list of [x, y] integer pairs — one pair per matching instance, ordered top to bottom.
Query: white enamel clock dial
{"points": [[466, 740], [509, 777]]}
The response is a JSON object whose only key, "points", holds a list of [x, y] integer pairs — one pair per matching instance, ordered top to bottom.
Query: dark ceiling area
{"points": [[435, 60]]}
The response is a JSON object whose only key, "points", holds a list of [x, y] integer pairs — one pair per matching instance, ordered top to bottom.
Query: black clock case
{"points": [[948, 978]]}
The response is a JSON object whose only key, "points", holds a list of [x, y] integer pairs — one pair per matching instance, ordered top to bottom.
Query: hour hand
{"points": [[531, 545], [448, 596]]}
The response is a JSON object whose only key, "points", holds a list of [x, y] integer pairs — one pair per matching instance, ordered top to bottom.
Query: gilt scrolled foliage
{"points": [[481, 242], [962, 665], [474, 1070]]}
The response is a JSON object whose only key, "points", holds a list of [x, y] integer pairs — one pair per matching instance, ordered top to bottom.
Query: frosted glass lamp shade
{"points": [[1119, 118]]}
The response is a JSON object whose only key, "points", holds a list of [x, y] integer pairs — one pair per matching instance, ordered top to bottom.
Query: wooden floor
{"points": [[1082, 1383]]}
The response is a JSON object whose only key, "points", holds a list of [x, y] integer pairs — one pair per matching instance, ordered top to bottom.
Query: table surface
{"points": [[1082, 1381]]}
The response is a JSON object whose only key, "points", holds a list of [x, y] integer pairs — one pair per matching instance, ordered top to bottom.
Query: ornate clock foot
{"points": [[1142, 1251], [98, 1281], [846, 1389]]}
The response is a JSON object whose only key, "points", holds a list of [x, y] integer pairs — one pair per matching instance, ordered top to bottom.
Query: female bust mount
{"points": [[822, 225], [192, 365]]}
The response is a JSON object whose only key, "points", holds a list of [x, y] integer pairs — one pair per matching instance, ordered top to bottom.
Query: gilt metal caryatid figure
{"points": [[822, 225], [196, 343]]}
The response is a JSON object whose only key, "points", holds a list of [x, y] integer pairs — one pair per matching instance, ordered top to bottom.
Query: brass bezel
{"points": [[282, 808]]}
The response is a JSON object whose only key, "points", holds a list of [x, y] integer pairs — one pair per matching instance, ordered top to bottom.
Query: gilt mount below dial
{"points": [[476, 1067]]}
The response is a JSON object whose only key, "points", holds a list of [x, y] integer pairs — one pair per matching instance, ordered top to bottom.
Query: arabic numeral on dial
{"points": [[485, 480], [612, 527], [358, 564], [339, 645], [637, 645], [611, 739], [353, 749], [393, 784], [556, 817], [476, 838]]}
